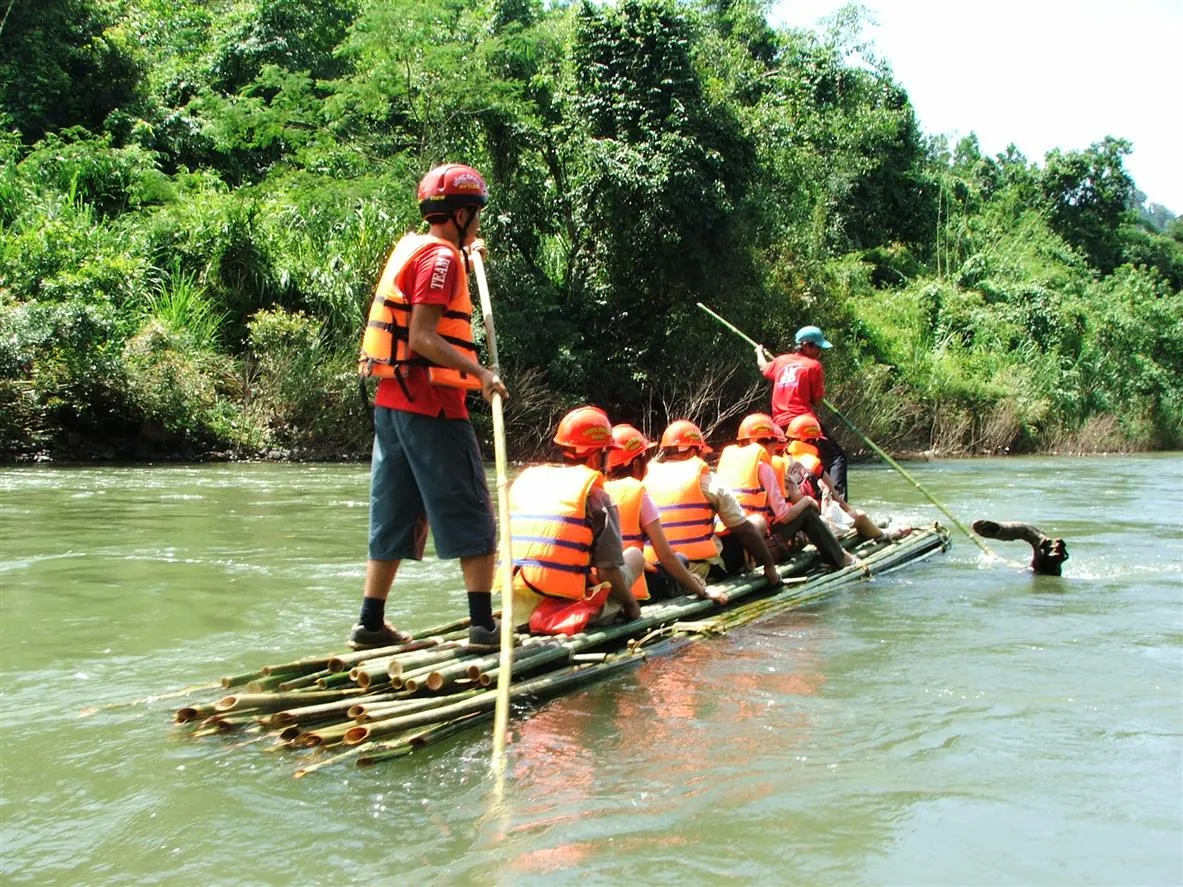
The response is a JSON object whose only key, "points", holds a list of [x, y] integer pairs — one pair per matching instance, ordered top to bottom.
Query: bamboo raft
{"points": [[374, 705]]}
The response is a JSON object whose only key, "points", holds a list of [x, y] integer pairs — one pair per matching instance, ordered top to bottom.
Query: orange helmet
{"points": [[450, 187], [758, 426], [804, 427], [585, 429], [684, 435], [632, 444], [810, 463]]}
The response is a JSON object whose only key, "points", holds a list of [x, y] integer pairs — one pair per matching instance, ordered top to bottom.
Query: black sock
{"points": [[480, 608], [373, 613]]}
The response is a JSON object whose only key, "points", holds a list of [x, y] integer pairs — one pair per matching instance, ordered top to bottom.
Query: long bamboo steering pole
{"points": [[870, 443], [505, 663]]}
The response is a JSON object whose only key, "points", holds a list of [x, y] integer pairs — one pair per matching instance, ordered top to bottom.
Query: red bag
{"points": [[561, 616]]}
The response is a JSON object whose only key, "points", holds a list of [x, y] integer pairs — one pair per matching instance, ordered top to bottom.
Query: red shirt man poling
{"points": [[798, 387]]}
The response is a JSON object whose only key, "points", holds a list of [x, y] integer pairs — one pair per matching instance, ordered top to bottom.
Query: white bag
{"points": [[838, 520]]}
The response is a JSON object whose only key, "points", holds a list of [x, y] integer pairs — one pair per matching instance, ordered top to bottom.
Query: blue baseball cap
{"points": [[814, 335]]}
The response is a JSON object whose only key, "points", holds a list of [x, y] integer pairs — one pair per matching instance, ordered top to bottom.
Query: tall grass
{"points": [[178, 303]]}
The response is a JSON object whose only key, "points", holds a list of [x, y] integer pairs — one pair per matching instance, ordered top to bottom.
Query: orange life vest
{"points": [[385, 344], [801, 448], [780, 464], [739, 468], [626, 493], [687, 518], [549, 530]]}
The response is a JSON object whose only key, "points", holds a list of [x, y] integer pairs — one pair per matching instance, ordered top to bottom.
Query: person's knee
{"points": [[634, 564]]}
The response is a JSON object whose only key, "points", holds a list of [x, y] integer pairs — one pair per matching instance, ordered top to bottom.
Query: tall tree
{"points": [[64, 63], [1088, 195]]}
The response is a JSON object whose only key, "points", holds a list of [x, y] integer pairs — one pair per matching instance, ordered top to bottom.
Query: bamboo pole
{"points": [[501, 716]]}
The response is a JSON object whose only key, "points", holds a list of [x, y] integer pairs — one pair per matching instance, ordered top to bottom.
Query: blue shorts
{"points": [[427, 472]]}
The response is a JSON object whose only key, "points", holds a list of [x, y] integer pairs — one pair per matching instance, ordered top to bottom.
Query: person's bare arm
{"points": [[763, 358]]}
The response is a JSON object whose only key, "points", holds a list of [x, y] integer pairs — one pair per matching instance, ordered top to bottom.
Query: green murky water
{"points": [[961, 722]]}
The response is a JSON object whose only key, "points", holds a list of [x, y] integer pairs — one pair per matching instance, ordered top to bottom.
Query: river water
{"points": [[958, 722]]}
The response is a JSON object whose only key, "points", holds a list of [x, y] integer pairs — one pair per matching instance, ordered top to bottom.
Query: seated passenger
{"points": [[747, 467], [808, 472], [689, 496], [640, 522], [564, 529]]}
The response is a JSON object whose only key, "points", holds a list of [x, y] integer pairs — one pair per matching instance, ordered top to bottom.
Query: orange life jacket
{"points": [[385, 344], [801, 448], [780, 464], [739, 468], [626, 493], [687, 518], [549, 530]]}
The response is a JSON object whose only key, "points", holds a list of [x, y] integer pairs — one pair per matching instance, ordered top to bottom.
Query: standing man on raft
{"points": [[799, 386], [426, 467]]}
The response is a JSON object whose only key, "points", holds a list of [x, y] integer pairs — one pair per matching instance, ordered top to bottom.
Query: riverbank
{"points": [[150, 443]]}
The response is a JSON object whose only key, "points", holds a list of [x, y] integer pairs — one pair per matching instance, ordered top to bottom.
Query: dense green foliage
{"points": [[196, 197]]}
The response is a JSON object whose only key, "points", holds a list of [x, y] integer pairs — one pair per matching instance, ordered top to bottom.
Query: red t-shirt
{"points": [[432, 279], [798, 386]]}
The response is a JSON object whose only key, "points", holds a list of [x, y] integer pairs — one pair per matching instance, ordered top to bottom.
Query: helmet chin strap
{"points": [[463, 230]]}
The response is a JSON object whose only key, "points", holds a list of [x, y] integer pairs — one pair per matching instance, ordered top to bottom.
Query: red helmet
{"points": [[450, 187], [758, 426], [804, 427], [585, 429], [683, 435], [632, 444], [810, 463]]}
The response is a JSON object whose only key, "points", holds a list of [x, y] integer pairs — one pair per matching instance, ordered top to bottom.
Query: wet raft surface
{"points": [[372, 705]]}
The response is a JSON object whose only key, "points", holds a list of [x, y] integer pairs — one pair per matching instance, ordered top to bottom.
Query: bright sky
{"points": [[1041, 74]]}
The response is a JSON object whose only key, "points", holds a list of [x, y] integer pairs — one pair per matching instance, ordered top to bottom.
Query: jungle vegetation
{"points": [[197, 196]]}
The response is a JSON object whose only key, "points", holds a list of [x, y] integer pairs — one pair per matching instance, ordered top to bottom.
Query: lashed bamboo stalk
{"points": [[446, 653], [345, 661], [298, 666], [335, 679], [307, 680], [263, 684], [277, 701], [485, 701], [384, 712], [308, 713], [329, 734], [383, 751], [301, 772]]}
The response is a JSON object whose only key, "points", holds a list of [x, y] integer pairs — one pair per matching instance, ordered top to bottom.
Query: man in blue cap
{"points": [[798, 387]]}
